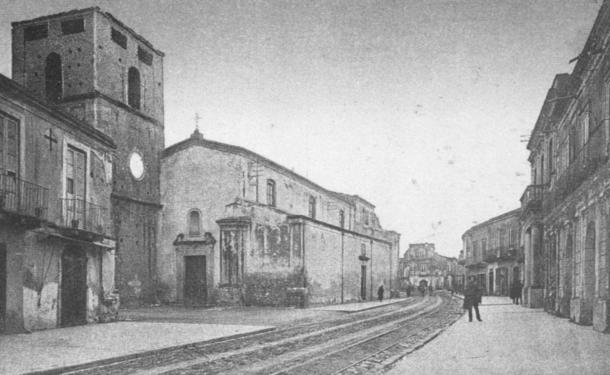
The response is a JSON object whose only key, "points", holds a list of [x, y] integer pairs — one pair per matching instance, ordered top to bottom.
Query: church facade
{"points": [[244, 229]]}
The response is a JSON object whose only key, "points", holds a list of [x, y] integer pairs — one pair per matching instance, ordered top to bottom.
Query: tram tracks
{"points": [[301, 349]]}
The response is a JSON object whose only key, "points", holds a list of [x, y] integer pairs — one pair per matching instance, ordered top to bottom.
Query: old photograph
{"points": [[282, 187]]}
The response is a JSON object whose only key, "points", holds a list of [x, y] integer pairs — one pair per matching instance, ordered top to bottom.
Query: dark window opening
{"points": [[73, 26], [35, 32], [119, 38], [145, 56], [53, 78], [133, 88], [550, 158], [70, 186], [271, 193], [312, 207], [342, 218]]}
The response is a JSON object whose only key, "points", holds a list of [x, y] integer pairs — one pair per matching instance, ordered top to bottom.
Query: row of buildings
{"points": [[95, 211], [561, 249]]}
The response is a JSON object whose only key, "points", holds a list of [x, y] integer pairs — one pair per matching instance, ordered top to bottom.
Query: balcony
{"points": [[588, 161], [23, 198], [532, 198], [80, 215], [501, 253], [491, 255]]}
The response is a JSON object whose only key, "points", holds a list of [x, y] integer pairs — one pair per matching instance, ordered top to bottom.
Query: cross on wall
{"points": [[52, 139]]}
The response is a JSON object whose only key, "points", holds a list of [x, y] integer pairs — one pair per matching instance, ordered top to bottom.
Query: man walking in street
{"points": [[518, 289], [472, 298]]}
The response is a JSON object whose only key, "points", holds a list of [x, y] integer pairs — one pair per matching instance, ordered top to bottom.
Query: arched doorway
{"points": [[53, 78], [133, 88]]}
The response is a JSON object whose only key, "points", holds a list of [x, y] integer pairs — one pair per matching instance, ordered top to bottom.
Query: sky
{"points": [[419, 106]]}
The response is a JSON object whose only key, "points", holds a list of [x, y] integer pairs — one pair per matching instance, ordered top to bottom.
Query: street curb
{"points": [[321, 308], [109, 361]]}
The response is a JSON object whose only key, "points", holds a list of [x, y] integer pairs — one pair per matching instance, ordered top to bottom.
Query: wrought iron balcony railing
{"points": [[588, 161], [23, 197], [532, 197], [79, 214], [501, 253]]}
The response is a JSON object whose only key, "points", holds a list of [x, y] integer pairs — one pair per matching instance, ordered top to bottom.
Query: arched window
{"points": [[53, 78], [133, 88], [271, 193], [194, 223]]}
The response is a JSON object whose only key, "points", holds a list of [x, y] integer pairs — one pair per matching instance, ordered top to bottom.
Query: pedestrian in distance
{"points": [[518, 289], [380, 291], [513, 291], [472, 298]]}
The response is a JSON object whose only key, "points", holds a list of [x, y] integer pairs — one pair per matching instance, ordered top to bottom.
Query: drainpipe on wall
{"points": [[303, 249], [342, 257], [391, 274], [371, 293]]}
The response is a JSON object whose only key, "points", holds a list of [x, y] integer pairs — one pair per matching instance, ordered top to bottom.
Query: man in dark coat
{"points": [[518, 289], [380, 291], [513, 291], [472, 298]]}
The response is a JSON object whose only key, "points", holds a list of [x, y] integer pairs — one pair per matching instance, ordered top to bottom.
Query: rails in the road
{"points": [[324, 346], [331, 352]]}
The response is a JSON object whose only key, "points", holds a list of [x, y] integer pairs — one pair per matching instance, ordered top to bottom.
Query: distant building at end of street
{"points": [[420, 263]]}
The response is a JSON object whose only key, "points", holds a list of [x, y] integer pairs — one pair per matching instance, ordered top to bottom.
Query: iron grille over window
{"points": [[73, 26], [35, 32], [119, 38], [145, 56]]}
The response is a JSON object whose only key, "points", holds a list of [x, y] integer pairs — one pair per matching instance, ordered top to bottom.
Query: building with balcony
{"points": [[239, 228], [56, 245], [566, 251], [493, 255], [421, 262]]}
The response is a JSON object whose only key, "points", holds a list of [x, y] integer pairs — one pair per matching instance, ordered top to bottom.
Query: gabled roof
{"points": [[15, 90], [197, 140]]}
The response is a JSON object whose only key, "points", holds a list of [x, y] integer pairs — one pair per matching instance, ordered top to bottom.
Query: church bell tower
{"points": [[101, 71]]}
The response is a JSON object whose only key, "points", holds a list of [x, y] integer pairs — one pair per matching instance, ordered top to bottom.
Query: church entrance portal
{"points": [[195, 287]]}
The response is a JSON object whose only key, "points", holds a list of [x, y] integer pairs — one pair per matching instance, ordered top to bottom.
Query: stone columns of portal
{"points": [[534, 267]]}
